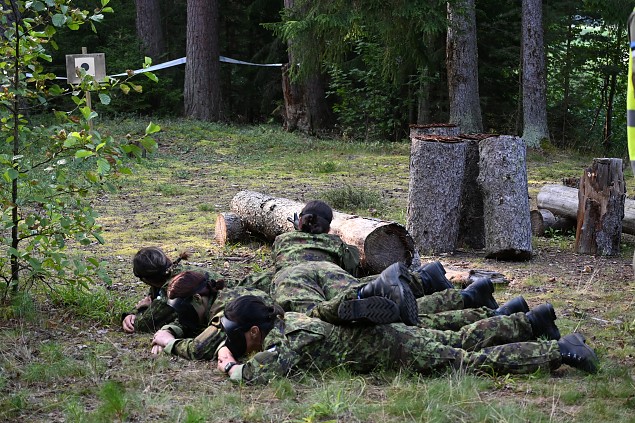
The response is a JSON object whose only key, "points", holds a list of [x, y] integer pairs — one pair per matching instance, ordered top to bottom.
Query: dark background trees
{"points": [[382, 63]]}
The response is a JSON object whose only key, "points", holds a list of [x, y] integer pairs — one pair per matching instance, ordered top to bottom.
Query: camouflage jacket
{"points": [[295, 247], [159, 313], [204, 346]]}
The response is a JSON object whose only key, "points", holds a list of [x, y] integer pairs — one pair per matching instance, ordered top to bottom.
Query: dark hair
{"points": [[316, 217], [151, 264], [191, 282], [243, 313]]}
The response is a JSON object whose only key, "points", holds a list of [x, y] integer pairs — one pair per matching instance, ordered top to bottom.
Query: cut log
{"points": [[437, 165], [503, 179], [601, 198], [562, 201], [543, 220], [229, 228], [380, 242]]}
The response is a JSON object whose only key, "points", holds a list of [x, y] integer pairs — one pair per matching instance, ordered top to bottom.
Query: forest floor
{"points": [[58, 364]]}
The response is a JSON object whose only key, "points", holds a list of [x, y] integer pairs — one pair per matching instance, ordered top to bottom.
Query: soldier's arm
{"points": [[158, 314], [203, 347]]}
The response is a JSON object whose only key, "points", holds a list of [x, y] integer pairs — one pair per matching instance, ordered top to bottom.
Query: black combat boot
{"points": [[433, 278], [392, 283], [479, 294], [515, 305], [377, 310], [542, 319], [576, 353]]}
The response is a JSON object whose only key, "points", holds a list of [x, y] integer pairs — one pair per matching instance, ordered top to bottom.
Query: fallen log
{"points": [[563, 201], [543, 220], [229, 228], [380, 242]]}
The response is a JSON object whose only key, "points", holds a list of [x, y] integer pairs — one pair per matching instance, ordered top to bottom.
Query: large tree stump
{"points": [[447, 129], [437, 165], [503, 179], [601, 198], [563, 202], [229, 228], [380, 242]]}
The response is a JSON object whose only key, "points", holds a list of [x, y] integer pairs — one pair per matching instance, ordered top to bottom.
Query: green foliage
{"points": [[49, 170], [354, 199], [95, 304]]}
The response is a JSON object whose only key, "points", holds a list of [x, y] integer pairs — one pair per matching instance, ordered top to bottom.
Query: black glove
{"points": [[295, 221]]}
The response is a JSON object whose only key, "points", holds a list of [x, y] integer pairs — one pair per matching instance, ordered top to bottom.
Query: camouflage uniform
{"points": [[312, 278], [159, 313], [304, 342], [204, 346]]}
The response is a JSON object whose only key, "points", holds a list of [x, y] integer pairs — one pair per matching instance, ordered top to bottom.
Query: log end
{"points": [[229, 228], [386, 245]]}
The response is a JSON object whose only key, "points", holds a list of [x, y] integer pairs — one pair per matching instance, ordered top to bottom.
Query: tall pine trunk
{"points": [[149, 29], [462, 65], [202, 92], [535, 127]]}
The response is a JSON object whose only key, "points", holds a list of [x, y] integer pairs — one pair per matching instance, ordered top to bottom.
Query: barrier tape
{"points": [[181, 61]]}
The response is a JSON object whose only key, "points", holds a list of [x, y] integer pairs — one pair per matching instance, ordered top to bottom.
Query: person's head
{"points": [[316, 217], [153, 267], [190, 294], [246, 322]]}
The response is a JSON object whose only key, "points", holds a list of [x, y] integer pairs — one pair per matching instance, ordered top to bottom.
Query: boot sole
{"points": [[408, 308], [378, 310]]}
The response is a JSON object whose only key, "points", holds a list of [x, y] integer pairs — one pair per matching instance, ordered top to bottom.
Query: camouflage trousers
{"points": [[318, 288], [424, 351]]}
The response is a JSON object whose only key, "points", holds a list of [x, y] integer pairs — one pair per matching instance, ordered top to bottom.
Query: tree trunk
{"points": [[149, 28], [462, 65], [202, 94], [306, 108], [535, 127], [446, 129], [503, 179], [434, 194], [563, 201], [601, 208], [380, 243]]}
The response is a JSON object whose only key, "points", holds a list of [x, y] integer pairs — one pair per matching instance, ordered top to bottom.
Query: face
{"points": [[201, 303], [254, 338]]}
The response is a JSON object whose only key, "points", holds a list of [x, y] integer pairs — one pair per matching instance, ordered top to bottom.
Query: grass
{"points": [[63, 356]]}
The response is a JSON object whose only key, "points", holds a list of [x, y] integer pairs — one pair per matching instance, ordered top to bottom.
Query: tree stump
{"points": [[447, 129], [437, 165], [503, 179], [601, 198], [563, 202], [542, 220], [229, 228], [380, 242]]}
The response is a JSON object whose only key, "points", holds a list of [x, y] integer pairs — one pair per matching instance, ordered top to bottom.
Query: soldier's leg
{"points": [[296, 288], [447, 300], [454, 320], [496, 330], [518, 357]]}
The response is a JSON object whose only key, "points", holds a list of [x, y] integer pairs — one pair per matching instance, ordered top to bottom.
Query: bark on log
{"points": [[447, 129], [437, 166], [503, 179], [563, 201], [601, 208], [543, 220], [229, 228], [380, 242]]}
